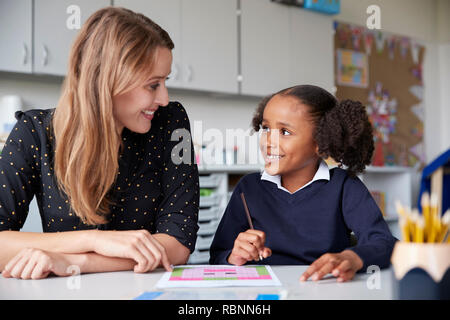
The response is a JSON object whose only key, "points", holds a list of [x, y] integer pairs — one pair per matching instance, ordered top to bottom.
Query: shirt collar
{"points": [[322, 173]]}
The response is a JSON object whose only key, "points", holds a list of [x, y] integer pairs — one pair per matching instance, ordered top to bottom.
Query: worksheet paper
{"points": [[209, 276]]}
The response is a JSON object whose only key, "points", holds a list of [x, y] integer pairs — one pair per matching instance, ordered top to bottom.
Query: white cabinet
{"points": [[167, 14], [16, 36], [52, 36], [205, 36], [209, 44], [283, 46], [249, 47], [264, 47], [311, 53]]}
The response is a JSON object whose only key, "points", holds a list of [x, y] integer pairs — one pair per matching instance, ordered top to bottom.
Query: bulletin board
{"points": [[384, 72]]}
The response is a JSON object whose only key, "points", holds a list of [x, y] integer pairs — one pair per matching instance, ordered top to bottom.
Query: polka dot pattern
{"points": [[151, 191]]}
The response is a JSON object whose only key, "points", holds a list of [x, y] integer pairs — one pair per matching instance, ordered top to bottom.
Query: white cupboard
{"points": [[55, 30], [205, 35], [16, 36]]}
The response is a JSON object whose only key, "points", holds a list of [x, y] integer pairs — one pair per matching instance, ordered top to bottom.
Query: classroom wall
{"points": [[413, 18], [428, 22], [443, 39], [444, 79]]}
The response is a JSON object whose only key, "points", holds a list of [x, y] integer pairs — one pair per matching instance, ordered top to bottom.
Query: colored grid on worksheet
{"points": [[220, 273]]}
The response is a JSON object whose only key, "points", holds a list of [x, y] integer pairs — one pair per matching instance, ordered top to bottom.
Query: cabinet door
{"points": [[167, 14], [15, 36], [52, 36], [209, 44], [265, 47], [311, 49]]}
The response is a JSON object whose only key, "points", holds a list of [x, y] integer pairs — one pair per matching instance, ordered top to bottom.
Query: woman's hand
{"points": [[138, 245], [249, 245], [32, 263], [343, 265]]}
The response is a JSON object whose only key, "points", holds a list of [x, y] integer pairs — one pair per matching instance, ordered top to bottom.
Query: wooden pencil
{"points": [[249, 218]]}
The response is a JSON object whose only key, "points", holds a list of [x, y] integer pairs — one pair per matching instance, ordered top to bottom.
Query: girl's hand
{"points": [[138, 245], [249, 245], [33, 263], [343, 265]]}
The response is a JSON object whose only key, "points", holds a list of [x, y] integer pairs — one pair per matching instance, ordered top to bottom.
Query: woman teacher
{"points": [[101, 164]]}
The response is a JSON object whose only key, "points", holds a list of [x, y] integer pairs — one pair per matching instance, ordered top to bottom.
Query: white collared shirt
{"points": [[322, 173]]}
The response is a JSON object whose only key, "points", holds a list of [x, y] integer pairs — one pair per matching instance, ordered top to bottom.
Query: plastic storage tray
{"points": [[211, 181], [209, 201], [209, 214], [207, 228], [204, 242], [201, 257]]}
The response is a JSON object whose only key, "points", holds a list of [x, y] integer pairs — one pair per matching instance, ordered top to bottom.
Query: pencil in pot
{"points": [[425, 203], [428, 227]]}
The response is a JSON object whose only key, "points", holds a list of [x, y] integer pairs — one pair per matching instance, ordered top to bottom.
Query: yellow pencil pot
{"points": [[421, 270]]}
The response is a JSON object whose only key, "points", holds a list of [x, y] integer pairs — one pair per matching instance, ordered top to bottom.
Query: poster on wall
{"points": [[352, 69], [392, 90]]}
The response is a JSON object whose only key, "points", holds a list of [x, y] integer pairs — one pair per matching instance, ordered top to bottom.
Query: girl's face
{"points": [[135, 108], [287, 142]]}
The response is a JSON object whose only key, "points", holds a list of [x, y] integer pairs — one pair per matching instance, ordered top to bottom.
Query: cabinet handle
{"points": [[25, 54], [44, 55], [190, 72]]}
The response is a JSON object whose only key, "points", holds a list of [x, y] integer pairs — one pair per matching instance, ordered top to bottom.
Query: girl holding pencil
{"points": [[302, 212]]}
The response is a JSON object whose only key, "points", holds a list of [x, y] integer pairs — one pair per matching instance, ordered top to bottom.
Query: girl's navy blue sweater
{"points": [[301, 227]]}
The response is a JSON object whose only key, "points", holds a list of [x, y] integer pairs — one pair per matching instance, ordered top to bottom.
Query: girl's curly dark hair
{"points": [[342, 129]]}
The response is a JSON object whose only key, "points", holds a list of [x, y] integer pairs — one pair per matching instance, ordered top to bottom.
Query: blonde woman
{"points": [[100, 164]]}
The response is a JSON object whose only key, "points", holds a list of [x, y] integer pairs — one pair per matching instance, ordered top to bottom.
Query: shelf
{"points": [[388, 169]]}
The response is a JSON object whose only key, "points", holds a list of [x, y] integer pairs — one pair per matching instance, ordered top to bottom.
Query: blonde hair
{"points": [[113, 53]]}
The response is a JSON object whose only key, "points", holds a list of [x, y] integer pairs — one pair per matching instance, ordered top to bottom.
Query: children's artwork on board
{"points": [[392, 92], [382, 111]]}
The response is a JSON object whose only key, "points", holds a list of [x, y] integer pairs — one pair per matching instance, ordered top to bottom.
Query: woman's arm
{"points": [[176, 219], [64, 242], [137, 245], [177, 253], [93, 262], [32, 263]]}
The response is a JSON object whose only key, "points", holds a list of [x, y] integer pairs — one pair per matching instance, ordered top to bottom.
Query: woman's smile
{"points": [[148, 114]]}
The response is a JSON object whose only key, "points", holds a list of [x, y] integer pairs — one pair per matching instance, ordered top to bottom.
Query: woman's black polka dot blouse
{"points": [[151, 192]]}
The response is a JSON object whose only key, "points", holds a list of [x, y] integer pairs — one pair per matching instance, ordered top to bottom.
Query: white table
{"points": [[127, 285]]}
